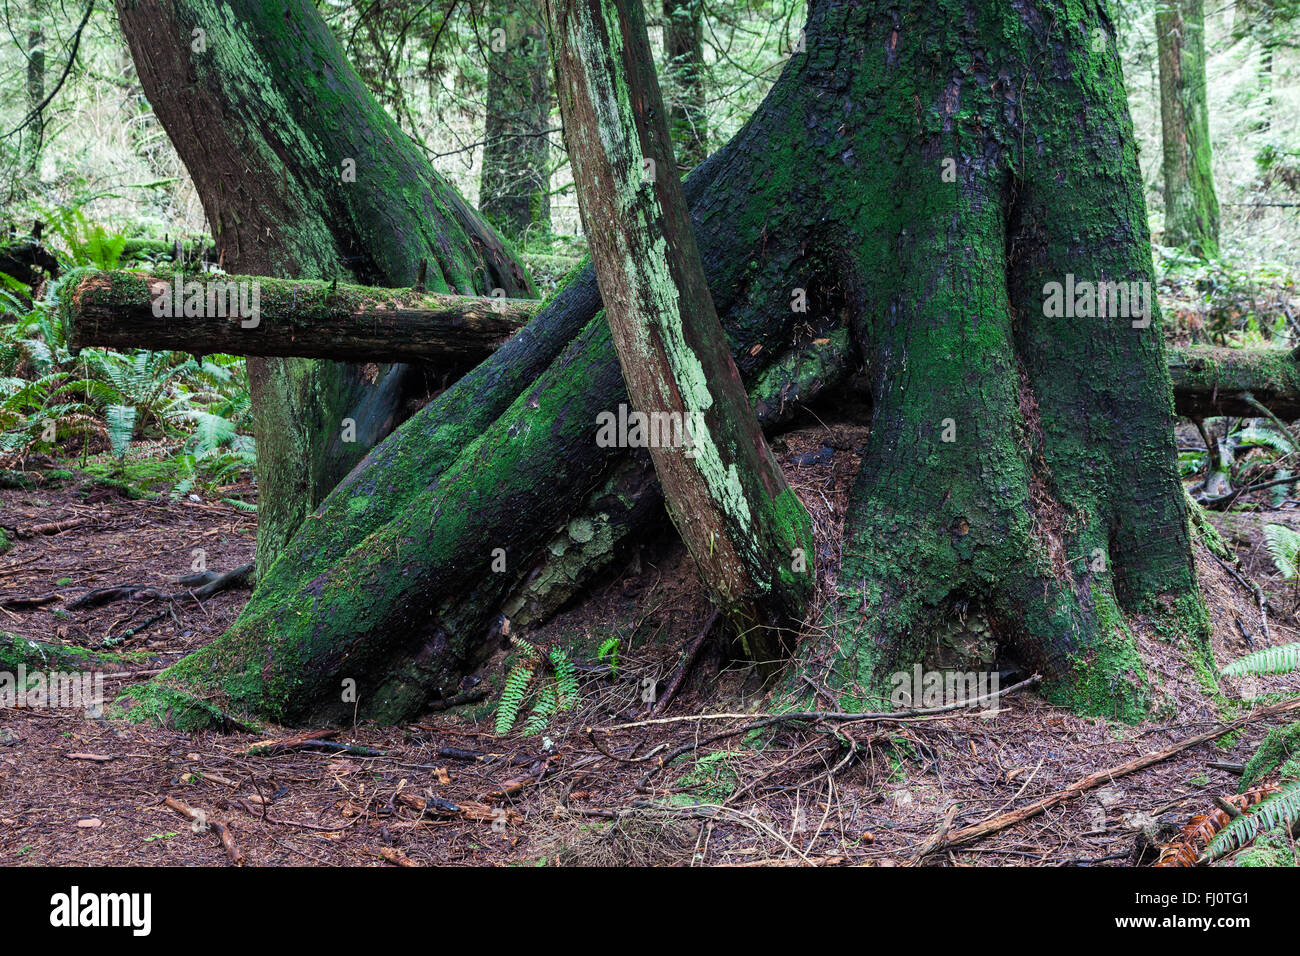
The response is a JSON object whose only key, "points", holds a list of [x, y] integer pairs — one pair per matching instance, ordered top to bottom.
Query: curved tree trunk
{"points": [[303, 174], [918, 178], [1191, 208]]}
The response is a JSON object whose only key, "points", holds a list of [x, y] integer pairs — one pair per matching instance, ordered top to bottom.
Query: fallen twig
{"points": [[692, 652], [795, 716], [1002, 821], [222, 830], [396, 857]]}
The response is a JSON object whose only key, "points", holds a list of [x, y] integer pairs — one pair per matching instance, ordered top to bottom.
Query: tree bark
{"points": [[684, 60], [34, 135], [303, 175], [515, 187], [901, 199], [1191, 208], [303, 318], [748, 532]]}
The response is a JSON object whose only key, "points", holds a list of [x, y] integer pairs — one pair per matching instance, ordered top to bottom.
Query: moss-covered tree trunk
{"points": [[684, 76], [34, 134], [302, 174], [515, 186], [912, 196], [1191, 208], [745, 527]]}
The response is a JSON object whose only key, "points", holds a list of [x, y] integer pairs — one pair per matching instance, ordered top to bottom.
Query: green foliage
{"points": [[201, 409], [1283, 545], [608, 651], [1271, 660], [515, 690], [558, 693], [1279, 810]]}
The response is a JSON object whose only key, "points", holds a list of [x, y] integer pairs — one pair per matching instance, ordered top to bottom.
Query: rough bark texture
{"points": [[684, 79], [34, 135], [303, 175], [515, 187], [1191, 208], [302, 317], [1051, 522], [748, 532]]}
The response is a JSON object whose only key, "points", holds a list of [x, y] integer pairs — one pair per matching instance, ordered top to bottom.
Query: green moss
{"points": [[43, 655], [175, 709], [1280, 750], [1272, 848]]}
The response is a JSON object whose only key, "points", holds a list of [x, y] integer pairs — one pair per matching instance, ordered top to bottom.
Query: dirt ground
{"points": [[78, 790]]}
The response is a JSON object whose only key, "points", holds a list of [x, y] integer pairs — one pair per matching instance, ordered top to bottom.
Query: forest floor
{"points": [[78, 790]]}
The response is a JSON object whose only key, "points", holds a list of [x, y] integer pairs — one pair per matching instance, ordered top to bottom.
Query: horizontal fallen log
{"points": [[252, 315], [1210, 381]]}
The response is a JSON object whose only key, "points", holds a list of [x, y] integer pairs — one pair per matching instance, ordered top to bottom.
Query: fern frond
{"points": [[121, 428], [1266, 438], [1283, 546], [609, 649], [529, 651], [1271, 660], [566, 679], [512, 696], [547, 704], [1282, 809]]}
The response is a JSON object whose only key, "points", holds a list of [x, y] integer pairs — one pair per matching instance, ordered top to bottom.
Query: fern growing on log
{"points": [[1271, 660], [1282, 809]]}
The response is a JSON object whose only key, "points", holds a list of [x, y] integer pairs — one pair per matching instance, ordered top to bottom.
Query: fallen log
{"points": [[254, 315], [310, 319], [1210, 381]]}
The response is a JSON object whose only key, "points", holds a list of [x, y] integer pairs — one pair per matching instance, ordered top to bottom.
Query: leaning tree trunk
{"points": [[303, 174], [515, 186], [903, 198], [1191, 208], [746, 529]]}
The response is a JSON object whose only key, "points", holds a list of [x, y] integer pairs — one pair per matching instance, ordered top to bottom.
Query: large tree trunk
{"points": [[303, 174], [917, 177], [515, 187], [1191, 208]]}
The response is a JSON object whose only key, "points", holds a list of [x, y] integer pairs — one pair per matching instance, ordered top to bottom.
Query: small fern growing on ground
{"points": [[1284, 547], [608, 652], [1271, 660], [557, 693], [1282, 809]]}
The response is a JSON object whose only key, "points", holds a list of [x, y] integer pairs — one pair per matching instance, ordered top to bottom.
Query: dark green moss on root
{"points": [[32, 654], [174, 709], [1280, 752], [1272, 848]]}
